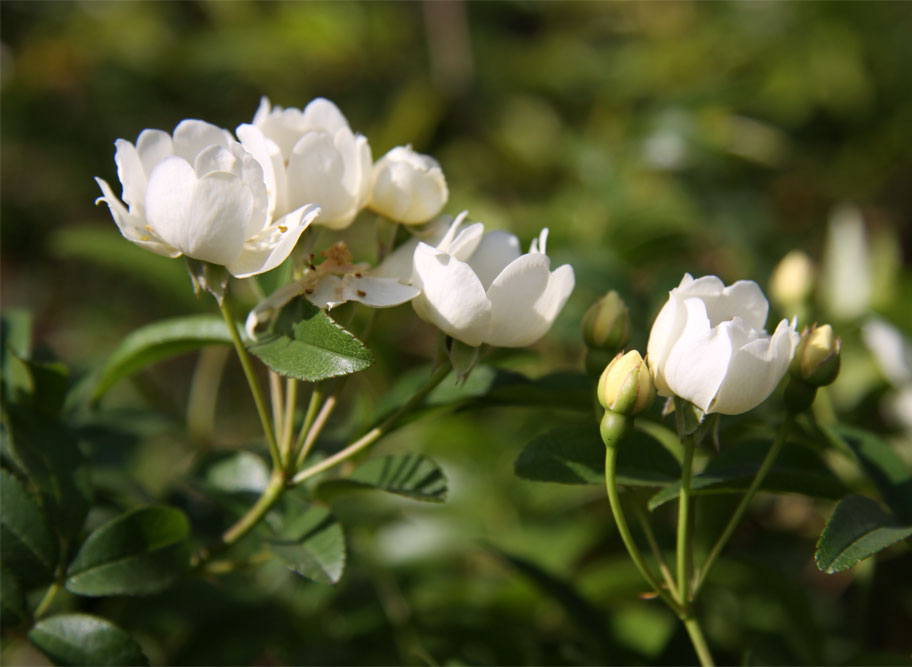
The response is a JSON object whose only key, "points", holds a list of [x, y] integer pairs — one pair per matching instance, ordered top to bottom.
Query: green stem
{"points": [[252, 381], [275, 397], [291, 403], [312, 406], [314, 431], [375, 433], [765, 466], [245, 524], [624, 530], [684, 545], [654, 546], [46, 601], [698, 641]]}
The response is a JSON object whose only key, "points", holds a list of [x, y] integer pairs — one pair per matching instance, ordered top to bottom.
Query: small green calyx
{"points": [[606, 325], [817, 357], [626, 386], [614, 427]]}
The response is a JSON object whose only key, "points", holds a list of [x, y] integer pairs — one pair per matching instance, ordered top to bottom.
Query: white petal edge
{"points": [[262, 253]]}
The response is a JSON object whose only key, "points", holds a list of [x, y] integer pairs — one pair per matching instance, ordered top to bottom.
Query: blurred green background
{"points": [[651, 138]]}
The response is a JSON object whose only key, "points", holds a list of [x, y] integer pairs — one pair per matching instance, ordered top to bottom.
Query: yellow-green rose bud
{"points": [[606, 325], [817, 357], [626, 385]]}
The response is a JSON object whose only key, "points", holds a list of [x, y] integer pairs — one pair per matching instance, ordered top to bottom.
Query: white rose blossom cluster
{"points": [[243, 201]]}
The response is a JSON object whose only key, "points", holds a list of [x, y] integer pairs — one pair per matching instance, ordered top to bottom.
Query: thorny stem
{"points": [[252, 381], [375, 433]]}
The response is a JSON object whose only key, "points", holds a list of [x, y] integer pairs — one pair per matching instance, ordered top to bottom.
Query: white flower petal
{"points": [[322, 114], [192, 136], [153, 146], [269, 157], [315, 172], [131, 174], [169, 195], [220, 210], [131, 226], [271, 247], [494, 252], [331, 291], [452, 298], [514, 320], [664, 333], [698, 361], [754, 371]]}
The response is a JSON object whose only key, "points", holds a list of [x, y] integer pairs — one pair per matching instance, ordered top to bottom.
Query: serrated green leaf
{"points": [[157, 341], [303, 342], [50, 455], [576, 455], [796, 470], [890, 473], [409, 475], [858, 528], [311, 542], [28, 547], [140, 552], [12, 599], [81, 639]]}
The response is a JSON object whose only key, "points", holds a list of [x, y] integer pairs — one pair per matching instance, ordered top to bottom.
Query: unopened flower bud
{"points": [[408, 187], [606, 325], [817, 357], [626, 386]]}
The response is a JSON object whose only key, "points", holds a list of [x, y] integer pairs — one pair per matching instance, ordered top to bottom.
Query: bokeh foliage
{"points": [[651, 138]]}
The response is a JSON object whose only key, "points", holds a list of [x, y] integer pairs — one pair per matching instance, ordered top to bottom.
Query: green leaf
{"points": [[158, 341], [303, 342], [15, 345], [50, 455], [576, 455], [796, 470], [238, 472], [890, 473], [409, 475], [858, 528], [311, 542], [27, 545], [140, 552], [12, 599], [81, 639]]}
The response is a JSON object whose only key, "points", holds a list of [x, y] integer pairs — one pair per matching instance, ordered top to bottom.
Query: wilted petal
{"points": [[271, 247], [331, 291], [452, 298], [699, 360], [754, 371]]}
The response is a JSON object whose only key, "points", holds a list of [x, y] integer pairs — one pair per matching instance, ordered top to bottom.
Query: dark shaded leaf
{"points": [[303, 342], [576, 455], [796, 470], [889, 472], [409, 475], [858, 528], [311, 542], [27, 544], [143, 551], [12, 599], [80, 639]]}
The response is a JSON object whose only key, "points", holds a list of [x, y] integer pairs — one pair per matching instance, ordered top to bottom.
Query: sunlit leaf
{"points": [[157, 341], [303, 342], [409, 475], [858, 528], [141, 552], [81, 639]]}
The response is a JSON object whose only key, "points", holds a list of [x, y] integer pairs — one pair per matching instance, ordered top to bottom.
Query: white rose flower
{"points": [[311, 157], [407, 187], [199, 193], [478, 288], [708, 345]]}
